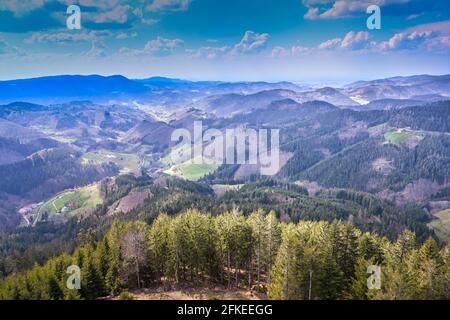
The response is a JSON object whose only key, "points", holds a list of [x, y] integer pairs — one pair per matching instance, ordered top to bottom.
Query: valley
{"points": [[321, 131], [74, 168]]}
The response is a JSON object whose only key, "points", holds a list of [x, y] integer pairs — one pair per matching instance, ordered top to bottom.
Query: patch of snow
{"points": [[360, 100]]}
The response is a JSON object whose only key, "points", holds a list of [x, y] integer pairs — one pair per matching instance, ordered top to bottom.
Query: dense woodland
{"points": [[312, 133], [52, 165], [353, 168], [270, 236], [22, 248], [255, 252]]}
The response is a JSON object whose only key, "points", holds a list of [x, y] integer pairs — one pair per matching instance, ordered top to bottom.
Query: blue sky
{"points": [[320, 41]]}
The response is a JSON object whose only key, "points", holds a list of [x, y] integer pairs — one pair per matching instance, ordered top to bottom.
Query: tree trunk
{"points": [[259, 262], [229, 269], [137, 273], [286, 280]]}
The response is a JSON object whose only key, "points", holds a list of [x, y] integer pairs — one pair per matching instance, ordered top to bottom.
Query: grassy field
{"points": [[55, 134], [401, 137], [126, 162], [192, 172], [71, 202], [441, 225]]}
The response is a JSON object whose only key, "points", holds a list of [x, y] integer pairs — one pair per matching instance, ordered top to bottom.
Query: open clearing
{"points": [[401, 136], [127, 162], [190, 171], [221, 189], [71, 202], [441, 225], [195, 294]]}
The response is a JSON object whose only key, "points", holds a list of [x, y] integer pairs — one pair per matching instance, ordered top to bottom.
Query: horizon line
{"points": [[216, 80]]}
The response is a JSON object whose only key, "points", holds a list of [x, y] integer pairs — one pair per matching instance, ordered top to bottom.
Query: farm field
{"points": [[402, 137], [126, 161], [191, 171], [71, 202], [441, 225]]}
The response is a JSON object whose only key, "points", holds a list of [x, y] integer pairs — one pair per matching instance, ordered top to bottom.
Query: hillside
{"points": [[369, 177], [256, 252]]}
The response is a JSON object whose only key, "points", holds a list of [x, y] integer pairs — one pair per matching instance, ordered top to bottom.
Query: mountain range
{"points": [[173, 92], [387, 137], [81, 155]]}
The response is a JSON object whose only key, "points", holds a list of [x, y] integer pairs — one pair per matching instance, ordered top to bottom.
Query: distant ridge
{"points": [[172, 92]]}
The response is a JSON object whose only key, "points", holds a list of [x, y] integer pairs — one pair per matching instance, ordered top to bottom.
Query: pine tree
{"points": [[257, 223], [158, 242], [273, 242], [235, 243], [428, 270], [112, 279], [285, 282], [91, 286], [54, 289], [359, 289]]}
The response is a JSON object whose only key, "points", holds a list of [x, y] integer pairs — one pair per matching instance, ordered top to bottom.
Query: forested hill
{"points": [[402, 154], [50, 170], [365, 221], [256, 252]]}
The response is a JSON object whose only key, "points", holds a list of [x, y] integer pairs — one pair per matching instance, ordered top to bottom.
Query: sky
{"points": [[304, 41]]}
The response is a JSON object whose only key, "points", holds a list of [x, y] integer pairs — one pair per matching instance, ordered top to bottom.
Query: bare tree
{"points": [[134, 249]]}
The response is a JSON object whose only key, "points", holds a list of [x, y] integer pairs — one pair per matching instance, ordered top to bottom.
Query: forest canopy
{"points": [[317, 260]]}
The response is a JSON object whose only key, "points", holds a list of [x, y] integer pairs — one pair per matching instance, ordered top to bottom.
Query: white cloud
{"points": [[101, 4], [168, 5], [20, 7], [335, 9], [101, 11], [118, 14], [312, 14], [149, 22], [442, 28], [124, 35], [66, 37], [356, 40], [351, 41], [407, 41], [428, 41], [251, 42], [330, 44], [439, 44], [162, 46], [157, 47], [6, 49], [97, 50], [294, 51], [210, 52]]}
